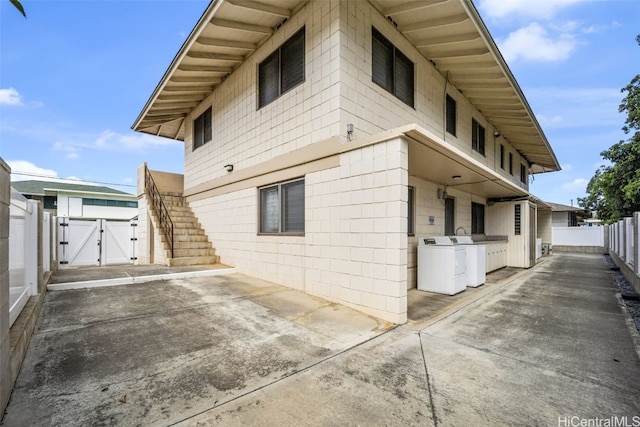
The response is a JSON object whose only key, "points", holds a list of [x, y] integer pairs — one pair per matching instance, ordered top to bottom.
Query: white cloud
{"points": [[539, 9], [533, 43], [10, 97], [565, 107], [110, 140], [72, 151], [566, 167], [23, 170], [576, 184]]}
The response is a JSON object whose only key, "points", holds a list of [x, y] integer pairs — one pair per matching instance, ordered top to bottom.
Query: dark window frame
{"points": [[391, 69], [283, 70], [451, 115], [203, 128], [478, 136], [502, 156], [510, 163], [523, 173], [449, 216], [411, 217], [517, 217], [477, 218], [284, 226]]}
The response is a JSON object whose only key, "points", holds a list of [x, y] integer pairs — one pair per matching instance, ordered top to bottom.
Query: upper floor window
{"points": [[391, 69], [282, 70], [451, 115], [202, 129], [477, 136], [501, 156], [510, 163], [523, 173], [282, 208]]}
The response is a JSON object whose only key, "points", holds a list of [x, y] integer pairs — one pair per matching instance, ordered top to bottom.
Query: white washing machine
{"points": [[476, 260], [441, 265]]}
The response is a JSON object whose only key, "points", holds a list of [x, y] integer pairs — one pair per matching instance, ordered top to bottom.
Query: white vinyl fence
{"points": [[577, 236], [624, 247], [23, 253]]}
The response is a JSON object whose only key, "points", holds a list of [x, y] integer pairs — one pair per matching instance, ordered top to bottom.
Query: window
{"points": [[391, 69], [282, 70], [451, 115], [202, 129], [477, 136], [501, 156], [510, 163], [523, 173], [113, 203], [282, 208], [410, 211], [449, 216], [477, 218], [517, 219]]}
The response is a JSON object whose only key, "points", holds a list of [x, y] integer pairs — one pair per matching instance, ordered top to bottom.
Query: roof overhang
{"points": [[448, 33], [434, 160]]}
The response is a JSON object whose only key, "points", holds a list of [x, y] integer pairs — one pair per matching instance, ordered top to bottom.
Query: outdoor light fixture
{"points": [[349, 131], [496, 134], [229, 168], [456, 177]]}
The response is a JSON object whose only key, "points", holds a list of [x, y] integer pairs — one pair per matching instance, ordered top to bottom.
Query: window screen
{"points": [[391, 69], [282, 70], [451, 115], [202, 129], [477, 136], [282, 208], [477, 218]]}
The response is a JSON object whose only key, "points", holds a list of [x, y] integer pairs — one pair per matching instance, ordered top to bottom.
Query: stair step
{"points": [[191, 245], [183, 253], [198, 260]]}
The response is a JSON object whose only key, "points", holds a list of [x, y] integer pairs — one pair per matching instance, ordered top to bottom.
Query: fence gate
{"points": [[96, 242]]}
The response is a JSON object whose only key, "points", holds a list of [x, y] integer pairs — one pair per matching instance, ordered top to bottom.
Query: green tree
{"points": [[18, 6], [614, 190]]}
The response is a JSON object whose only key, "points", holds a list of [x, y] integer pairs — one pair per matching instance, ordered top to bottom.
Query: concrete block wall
{"points": [[371, 109], [245, 135], [357, 231], [354, 250], [5, 354]]}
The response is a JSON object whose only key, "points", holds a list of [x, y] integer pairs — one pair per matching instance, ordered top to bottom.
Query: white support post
{"points": [[628, 240], [31, 247]]}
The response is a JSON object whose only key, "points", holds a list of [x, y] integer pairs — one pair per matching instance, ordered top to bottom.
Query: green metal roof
{"points": [[36, 188]]}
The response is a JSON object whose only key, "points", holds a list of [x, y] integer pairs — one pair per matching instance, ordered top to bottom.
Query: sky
{"points": [[74, 75]]}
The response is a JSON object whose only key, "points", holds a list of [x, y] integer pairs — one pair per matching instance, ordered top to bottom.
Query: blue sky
{"points": [[75, 74]]}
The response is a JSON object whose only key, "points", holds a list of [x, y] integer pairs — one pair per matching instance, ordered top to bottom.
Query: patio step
{"points": [[199, 260]]}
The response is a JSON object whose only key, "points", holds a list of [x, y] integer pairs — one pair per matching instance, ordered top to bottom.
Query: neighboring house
{"points": [[323, 138], [79, 200], [566, 216]]}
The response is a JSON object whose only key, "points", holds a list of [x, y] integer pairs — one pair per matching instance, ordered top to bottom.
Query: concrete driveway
{"points": [[551, 345]]}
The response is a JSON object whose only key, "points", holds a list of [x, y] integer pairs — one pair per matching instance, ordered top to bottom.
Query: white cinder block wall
{"points": [[371, 109], [244, 135], [355, 249]]}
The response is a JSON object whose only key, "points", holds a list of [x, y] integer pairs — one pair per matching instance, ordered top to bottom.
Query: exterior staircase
{"points": [[190, 244]]}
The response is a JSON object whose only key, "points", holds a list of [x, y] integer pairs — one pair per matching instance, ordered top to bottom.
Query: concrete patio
{"points": [[529, 349]]}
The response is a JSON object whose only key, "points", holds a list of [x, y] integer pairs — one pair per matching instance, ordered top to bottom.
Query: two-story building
{"points": [[322, 137]]}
